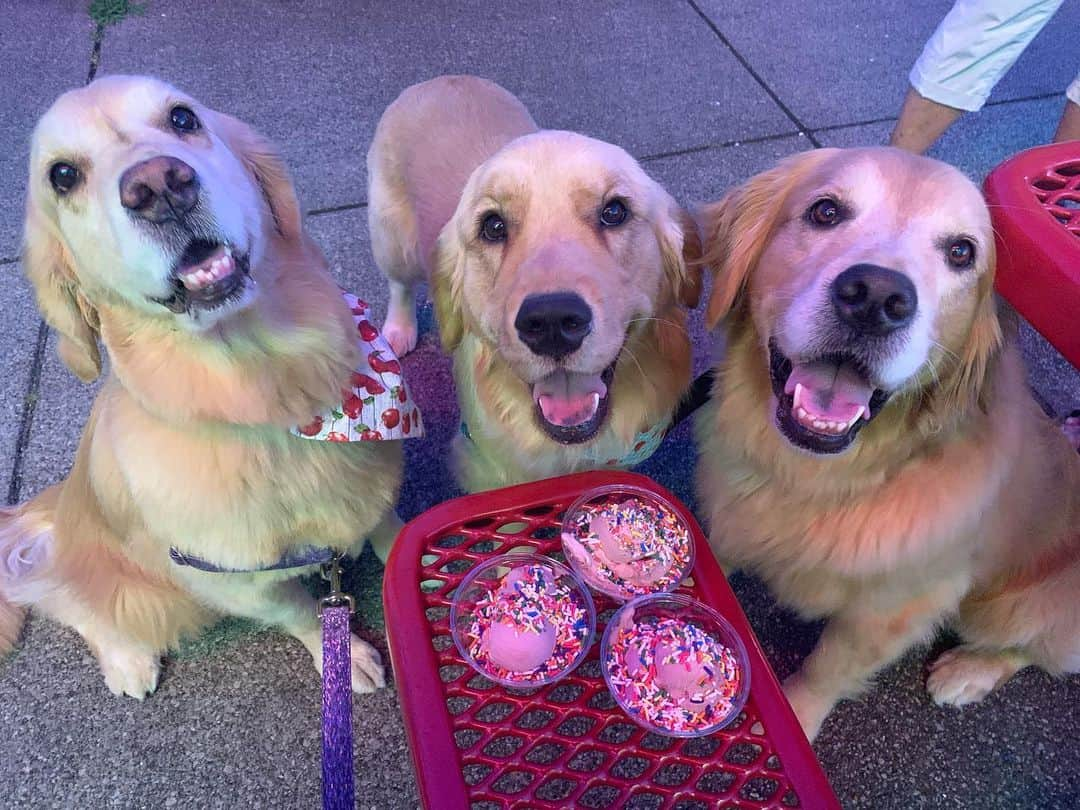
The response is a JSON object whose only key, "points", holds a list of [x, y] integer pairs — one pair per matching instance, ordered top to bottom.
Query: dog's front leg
{"points": [[382, 536], [288, 605], [859, 641]]}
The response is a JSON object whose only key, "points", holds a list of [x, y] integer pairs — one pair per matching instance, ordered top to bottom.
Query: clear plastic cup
{"points": [[626, 542], [524, 635], [678, 690]]}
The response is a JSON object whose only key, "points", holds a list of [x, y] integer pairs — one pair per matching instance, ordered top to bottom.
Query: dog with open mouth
{"points": [[171, 233], [559, 273], [871, 449]]}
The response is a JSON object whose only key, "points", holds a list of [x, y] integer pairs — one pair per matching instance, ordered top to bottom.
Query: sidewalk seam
{"points": [[754, 74], [33, 385]]}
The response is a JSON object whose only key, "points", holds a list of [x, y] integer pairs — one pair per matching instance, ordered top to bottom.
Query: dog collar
{"points": [[378, 405], [645, 444], [293, 558]]}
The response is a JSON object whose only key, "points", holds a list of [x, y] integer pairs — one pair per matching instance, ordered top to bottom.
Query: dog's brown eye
{"points": [[183, 119], [64, 177], [825, 212], [614, 213], [493, 228], [962, 253]]}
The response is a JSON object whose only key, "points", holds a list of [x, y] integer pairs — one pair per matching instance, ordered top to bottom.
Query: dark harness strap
{"points": [[697, 396], [293, 558]]}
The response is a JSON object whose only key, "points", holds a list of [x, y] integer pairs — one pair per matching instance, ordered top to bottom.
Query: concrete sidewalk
{"points": [[705, 93]]}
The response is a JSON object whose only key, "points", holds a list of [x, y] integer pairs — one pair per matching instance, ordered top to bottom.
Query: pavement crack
{"points": [[104, 13], [803, 129], [705, 147], [335, 209], [30, 401]]}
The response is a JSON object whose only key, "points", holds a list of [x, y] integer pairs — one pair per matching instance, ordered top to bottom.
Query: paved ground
{"points": [[705, 93]]}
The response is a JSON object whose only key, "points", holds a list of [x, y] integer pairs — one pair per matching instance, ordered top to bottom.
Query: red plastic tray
{"points": [[1034, 201], [566, 745]]}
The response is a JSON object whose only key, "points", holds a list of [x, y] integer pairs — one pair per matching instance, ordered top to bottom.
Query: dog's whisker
{"points": [[668, 321], [633, 357]]}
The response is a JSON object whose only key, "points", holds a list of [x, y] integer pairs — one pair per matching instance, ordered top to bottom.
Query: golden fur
{"points": [[450, 150], [187, 444], [959, 500]]}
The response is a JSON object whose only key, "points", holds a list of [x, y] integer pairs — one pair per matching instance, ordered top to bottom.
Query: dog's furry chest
{"points": [[235, 495], [925, 516]]}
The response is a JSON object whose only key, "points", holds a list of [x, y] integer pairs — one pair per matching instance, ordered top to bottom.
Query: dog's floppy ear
{"points": [[264, 162], [736, 229], [680, 252], [51, 270], [447, 279], [970, 385]]}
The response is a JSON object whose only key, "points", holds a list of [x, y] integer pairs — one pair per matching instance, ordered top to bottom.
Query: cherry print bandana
{"points": [[378, 407]]}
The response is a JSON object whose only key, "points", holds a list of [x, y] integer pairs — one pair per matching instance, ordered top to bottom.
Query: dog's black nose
{"points": [[159, 189], [874, 300], [553, 324]]}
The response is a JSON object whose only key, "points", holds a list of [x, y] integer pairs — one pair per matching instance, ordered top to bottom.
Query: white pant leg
{"points": [[973, 47], [1073, 92]]}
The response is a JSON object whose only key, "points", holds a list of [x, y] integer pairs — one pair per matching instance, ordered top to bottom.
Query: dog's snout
{"points": [[159, 189], [874, 300], [554, 324]]}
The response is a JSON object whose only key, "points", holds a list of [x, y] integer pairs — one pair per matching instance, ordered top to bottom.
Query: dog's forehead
{"points": [[109, 107], [558, 164], [893, 184]]}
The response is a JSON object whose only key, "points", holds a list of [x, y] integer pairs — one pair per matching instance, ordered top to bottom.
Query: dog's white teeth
{"points": [[228, 251], [798, 396], [863, 411]]}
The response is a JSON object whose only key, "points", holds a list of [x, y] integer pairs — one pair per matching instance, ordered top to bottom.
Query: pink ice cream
{"points": [[519, 649]]}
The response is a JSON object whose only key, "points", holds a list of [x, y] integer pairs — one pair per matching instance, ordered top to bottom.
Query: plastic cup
{"points": [[625, 542], [564, 605], [646, 624]]}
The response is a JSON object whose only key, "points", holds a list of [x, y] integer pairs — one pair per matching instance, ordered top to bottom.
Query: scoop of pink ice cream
{"points": [[519, 649], [679, 679]]}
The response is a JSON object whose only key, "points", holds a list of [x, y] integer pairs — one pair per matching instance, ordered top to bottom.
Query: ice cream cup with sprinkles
{"points": [[625, 542], [522, 620], [675, 665]]}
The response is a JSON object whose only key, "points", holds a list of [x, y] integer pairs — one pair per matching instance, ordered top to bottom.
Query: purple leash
{"points": [[337, 737]]}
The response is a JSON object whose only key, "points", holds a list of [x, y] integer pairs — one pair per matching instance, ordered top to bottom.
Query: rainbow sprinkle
{"points": [[655, 539], [538, 598], [635, 684]]}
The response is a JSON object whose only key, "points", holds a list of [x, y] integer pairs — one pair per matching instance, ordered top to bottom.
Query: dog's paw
{"points": [[400, 333], [1071, 427], [367, 669], [130, 672], [961, 676], [810, 707]]}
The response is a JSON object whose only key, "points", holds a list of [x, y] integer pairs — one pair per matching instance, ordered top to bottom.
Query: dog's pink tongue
{"points": [[830, 393], [567, 398]]}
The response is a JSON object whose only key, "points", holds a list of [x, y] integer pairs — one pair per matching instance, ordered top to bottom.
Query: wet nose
{"points": [[159, 189], [874, 300], [554, 324]]}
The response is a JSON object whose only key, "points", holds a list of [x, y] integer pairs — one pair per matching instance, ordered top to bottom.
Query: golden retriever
{"points": [[172, 233], [558, 274], [871, 448]]}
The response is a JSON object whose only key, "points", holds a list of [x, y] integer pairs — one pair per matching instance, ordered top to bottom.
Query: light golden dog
{"points": [[172, 233], [558, 272], [871, 449]]}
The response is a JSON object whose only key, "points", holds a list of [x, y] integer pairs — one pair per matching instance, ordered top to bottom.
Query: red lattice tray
{"points": [[1034, 201], [476, 745]]}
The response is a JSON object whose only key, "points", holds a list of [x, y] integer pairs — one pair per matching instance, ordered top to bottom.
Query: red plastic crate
{"points": [[1034, 203], [474, 744]]}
